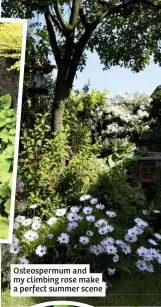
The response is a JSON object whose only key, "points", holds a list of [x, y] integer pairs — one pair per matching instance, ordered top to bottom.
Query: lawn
{"points": [[127, 290]]}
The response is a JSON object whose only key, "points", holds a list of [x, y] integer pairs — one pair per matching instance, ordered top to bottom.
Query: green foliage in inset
{"points": [[11, 42], [7, 141]]}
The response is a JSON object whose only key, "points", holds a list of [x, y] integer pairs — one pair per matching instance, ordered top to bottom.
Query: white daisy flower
{"points": [[85, 197], [93, 201], [100, 206], [75, 209], [87, 210], [156, 211], [60, 212], [145, 212], [111, 213], [72, 217], [90, 218], [19, 219], [36, 219], [52, 221], [27, 222], [101, 223], [141, 223], [16, 225], [35, 225], [72, 226], [135, 231], [89, 233], [31, 235], [158, 236], [63, 238], [129, 238], [84, 239], [15, 240], [108, 241], [153, 242], [14, 249], [96, 249], [126, 249], [41, 250], [111, 250], [116, 258], [24, 260], [141, 265], [111, 271]]}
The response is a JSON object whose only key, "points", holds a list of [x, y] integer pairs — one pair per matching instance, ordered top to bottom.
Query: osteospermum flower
{"points": [[85, 197], [93, 201], [100, 206], [75, 209], [87, 210], [156, 211], [60, 212], [145, 212], [111, 213], [72, 217], [90, 218], [19, 219], [36, 219], [52, 221], [27, 222], [101, 223], [141, 223], [16, 225], [35, 225], [72, 226], [103, 230], [136, 230], [89, 233], [31, 235], [158, 236], [63, 238], [129, 238], [84, 239], [15, 240], [107, 242], [153, 242], [120, 243], [14, 249], [96, 249], [126, 249], [41, 250], [111, 250], [142, 251], [115, 258], [24, 260], [141, 265], [111, 271]]}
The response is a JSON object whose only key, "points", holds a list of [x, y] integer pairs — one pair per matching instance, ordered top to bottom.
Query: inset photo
{"points": [[12, 58]]}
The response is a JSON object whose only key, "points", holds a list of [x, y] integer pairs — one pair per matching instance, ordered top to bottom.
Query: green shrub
{"points": [[7, 141]]}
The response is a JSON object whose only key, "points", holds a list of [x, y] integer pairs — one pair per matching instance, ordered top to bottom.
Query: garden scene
{"points": [[10, 54], [89, 168]]}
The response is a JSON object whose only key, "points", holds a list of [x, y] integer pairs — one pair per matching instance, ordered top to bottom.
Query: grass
{"points": [[135, 290]]}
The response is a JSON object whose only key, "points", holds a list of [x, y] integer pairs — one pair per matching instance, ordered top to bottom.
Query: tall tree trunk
{"points": [[62, 92]]}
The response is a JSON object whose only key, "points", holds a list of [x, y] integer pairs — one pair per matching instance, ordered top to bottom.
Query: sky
{"points": [[116, 80]]}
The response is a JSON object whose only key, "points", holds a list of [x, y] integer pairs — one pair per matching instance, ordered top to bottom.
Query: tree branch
{"points": [[117, 9], [74, 14], [60, 16], [83, 17], [56, 22], [52, 36]]}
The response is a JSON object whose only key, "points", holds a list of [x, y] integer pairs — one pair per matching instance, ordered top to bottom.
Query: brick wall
{"points": [[146, 168]]}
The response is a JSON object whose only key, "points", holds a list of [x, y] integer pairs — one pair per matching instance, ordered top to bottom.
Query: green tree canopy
{"points": [[122, 32]]}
